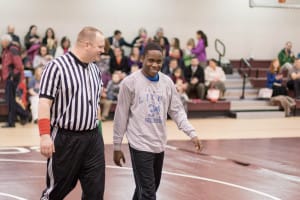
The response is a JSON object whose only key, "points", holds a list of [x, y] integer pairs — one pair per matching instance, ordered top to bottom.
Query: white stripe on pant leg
{"points": [[50, 170]]}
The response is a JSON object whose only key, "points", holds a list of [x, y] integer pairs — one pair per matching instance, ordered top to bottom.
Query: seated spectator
{"points": [[15, 38], [160, 38], [141, 40], [50, 41], [118, 41], [32, 42], [175, 44], [64, 47], [164, 47], [200, 49], [187, 53], [174, 55], [134, 57], [286, 57], [42, 58], [119, 62], [104, 63], [134, 68], [169, 69], [12, 73], [194, 75], [215, 77], [274, 79], [294, 79], [181, 86], [33, 90], [112, 91], [21, 103]]}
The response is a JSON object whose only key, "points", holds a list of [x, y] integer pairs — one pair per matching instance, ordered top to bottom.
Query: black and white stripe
{"points": [[75, 89]]}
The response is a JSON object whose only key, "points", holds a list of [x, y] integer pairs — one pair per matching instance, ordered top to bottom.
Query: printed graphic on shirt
{"points": [[152, 100]]}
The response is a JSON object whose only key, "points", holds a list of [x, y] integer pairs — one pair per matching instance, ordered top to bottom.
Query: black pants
{"points": [[294, 85], [10, 98], [78, 156], [147, 168]]}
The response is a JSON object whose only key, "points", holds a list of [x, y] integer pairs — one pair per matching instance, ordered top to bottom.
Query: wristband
{"points": [[44, 126]]}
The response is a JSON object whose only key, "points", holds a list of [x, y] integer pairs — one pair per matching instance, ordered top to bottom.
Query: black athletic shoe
{"points": [[8, 126]]}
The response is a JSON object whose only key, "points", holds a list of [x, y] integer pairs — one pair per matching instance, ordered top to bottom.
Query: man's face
{"points": [[10, 29], [118, 36], [288, 46], [96, 48], [152, 62], [195, 62]]}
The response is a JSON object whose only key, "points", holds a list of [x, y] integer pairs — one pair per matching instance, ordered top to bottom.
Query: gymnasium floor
{"points": [[242, 160]]}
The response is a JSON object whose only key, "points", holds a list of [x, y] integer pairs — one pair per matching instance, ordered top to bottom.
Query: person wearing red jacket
{"points": [[12, 73]]}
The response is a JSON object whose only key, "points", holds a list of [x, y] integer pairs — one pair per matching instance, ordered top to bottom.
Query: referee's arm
{"points": [[46, 143]]}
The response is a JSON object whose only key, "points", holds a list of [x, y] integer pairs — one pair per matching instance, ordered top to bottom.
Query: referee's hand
{"points": [[46, 146], [118, 156]]}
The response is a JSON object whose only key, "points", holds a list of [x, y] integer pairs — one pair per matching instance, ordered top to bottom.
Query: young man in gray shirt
{"points": [[145, 99]]}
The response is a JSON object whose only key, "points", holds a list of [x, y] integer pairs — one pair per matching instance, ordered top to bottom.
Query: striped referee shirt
{"points": [[75, 89]]}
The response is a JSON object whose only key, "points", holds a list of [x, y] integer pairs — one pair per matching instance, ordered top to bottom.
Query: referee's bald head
{"points": [[88, 34]]}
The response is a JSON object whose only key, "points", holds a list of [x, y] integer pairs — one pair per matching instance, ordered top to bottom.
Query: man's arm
{"points": [[126, 43], [177, 113], [121, 116], [120, 122], [46, 143]]}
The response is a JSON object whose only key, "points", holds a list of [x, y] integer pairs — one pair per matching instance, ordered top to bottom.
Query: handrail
{"points": [[221, 54], [245, 75]]}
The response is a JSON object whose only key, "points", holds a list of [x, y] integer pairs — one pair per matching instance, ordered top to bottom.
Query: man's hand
{"points": [[198, 144], [46, 146], [118, 156]]}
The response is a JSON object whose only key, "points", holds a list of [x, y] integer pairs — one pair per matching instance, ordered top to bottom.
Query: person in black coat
{"points": [[117, 40], [119, 62], [194, 75]]}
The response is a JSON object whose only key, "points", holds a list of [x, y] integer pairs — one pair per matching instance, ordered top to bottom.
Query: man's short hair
{"points": [[117, 32], [88, 33], [151, 46]]}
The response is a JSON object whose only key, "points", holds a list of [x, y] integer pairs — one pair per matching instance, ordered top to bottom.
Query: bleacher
{"points": [[256, 75]]}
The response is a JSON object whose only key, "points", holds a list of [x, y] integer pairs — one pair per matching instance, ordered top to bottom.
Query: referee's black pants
{"points": [[78, 156], [147, 169]]}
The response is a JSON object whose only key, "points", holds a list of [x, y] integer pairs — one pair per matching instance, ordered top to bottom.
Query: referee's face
{"points": [[96, 48], [152, 62]]}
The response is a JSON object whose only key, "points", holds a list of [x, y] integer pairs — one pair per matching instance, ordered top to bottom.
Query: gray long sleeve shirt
{"points": [[142, 110]]}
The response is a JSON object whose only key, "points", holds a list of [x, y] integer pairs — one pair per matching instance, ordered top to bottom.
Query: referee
{"points": [[68, 120]]}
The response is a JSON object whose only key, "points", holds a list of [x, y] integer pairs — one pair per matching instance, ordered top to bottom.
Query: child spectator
{"points": [[181, 86], [34, 88], [112, 91]]}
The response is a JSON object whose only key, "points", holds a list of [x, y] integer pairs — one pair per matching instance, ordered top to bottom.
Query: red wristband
{"points": [[44, 126]]}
